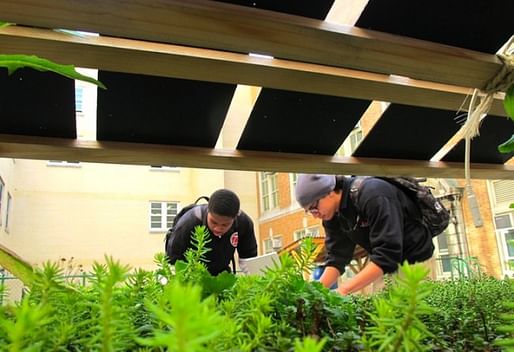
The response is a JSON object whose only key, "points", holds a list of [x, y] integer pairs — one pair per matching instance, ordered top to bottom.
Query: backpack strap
{"points": [[355, 188], [354, 195], [200, 198], [197, 211], [236, 228]]}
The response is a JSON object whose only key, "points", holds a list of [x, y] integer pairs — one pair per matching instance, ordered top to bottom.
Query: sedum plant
{"points": [[120, 309], [398, 318], [190, 323], [506, 342]]}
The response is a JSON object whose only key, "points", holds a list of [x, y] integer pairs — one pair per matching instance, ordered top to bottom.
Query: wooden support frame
{"points": [[226, 27], [210, 43], [134, 56], [152, 154]]}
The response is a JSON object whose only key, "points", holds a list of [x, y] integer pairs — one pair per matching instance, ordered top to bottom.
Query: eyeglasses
{"points": [[313, 208]]}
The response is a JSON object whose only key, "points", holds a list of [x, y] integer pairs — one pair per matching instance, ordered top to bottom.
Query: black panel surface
{"points": [[307, 8], [473, 24], [37, 103], [159, 110], [284, 121], [408, 132], [484, 148]]}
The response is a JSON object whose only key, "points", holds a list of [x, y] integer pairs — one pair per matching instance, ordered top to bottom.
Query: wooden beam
{"points": [[346, 12], [216, 25], [133, 56], [237, 117], [23, 147]]}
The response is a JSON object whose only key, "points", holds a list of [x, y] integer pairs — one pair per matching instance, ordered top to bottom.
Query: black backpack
{"points": [[182, 211], [434, 215]]}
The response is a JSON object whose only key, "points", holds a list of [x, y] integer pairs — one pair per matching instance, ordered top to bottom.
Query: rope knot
{"points": [[505, 76]]}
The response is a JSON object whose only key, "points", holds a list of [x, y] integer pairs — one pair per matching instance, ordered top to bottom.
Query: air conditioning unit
{"points": [[277, 243]]}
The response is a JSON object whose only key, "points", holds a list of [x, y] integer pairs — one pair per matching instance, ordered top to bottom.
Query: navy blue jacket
{"points": [[386, 224]]}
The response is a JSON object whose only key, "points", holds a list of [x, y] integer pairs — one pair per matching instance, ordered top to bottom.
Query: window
{"points": [[79, 92], [355, 139], [351, 142], [63, 163], [163, 168], [294, 179], [2, 186], [269, 190], [503, 191], [8, 211], [162, 215], [502, 221], [308, 232], [505, 232], [509, 240], [268, 245], [444, 261]]}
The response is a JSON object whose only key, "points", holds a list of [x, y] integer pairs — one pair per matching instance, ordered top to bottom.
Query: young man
{"points": [[386, 224], [229, 227]]}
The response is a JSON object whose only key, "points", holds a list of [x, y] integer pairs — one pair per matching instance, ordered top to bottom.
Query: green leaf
{"points": [[4, 24], [14, 62], [508, 102], [508, 146], [16, 266], [217, 284]]}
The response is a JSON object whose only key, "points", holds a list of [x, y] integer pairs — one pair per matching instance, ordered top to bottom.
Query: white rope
{"points": [[477, 112]]}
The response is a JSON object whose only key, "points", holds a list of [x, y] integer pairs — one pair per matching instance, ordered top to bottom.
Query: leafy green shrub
{"points": [[188, 310], [467, 312], [398, 316]]}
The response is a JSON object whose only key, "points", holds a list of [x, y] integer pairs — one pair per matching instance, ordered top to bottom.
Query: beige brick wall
{"points": [[96, 209]]}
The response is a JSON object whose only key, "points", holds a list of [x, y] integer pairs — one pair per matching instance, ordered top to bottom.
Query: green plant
{"points": [[15, 62], [508, 104], [16, 266], [193, 269], [123, 310], [466, 313], [398, 319], [190, 323], [507, 327], [110, 329], [27, 330], [308, 345]]}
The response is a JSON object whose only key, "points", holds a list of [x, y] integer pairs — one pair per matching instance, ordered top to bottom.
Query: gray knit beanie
{"points": [[310, 188]]}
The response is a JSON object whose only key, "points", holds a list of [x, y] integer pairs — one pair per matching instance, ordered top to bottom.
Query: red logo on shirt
{"points": [[234, 239]]}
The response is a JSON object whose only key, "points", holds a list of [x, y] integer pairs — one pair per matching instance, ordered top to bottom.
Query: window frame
{"points": [[2, 187], [269, 197], [8, 208], [165, 224], [311, 231], [501, 239]]}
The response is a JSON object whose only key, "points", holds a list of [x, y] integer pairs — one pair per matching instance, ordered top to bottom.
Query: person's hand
{"points": [[366, 276], [343, 290]]}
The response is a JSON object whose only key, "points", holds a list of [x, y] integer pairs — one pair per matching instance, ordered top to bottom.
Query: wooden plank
{"points": [[346, 11], [211, 24], [132, 56], [238, 114], [23, 147]]}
